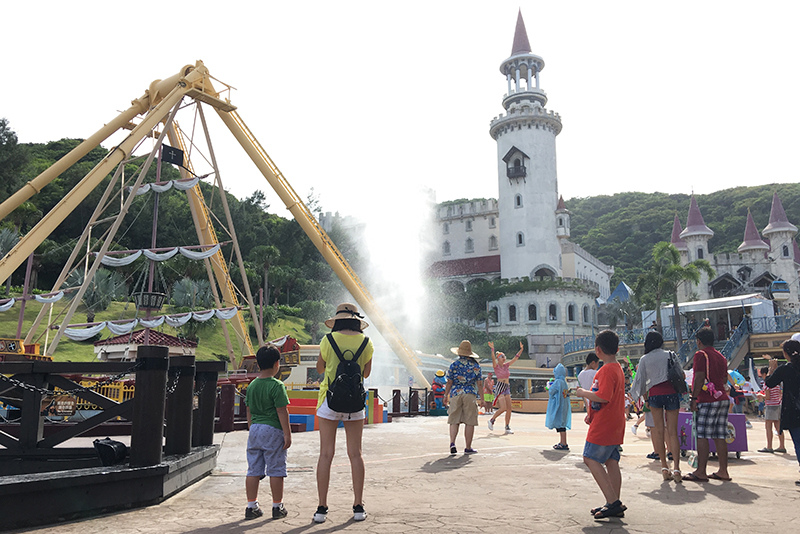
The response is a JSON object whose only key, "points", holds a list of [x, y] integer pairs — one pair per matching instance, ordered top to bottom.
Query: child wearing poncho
{"points": [[559, 411]]}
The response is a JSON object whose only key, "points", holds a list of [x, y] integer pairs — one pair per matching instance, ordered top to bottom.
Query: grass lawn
{"points": [[211, 344]]}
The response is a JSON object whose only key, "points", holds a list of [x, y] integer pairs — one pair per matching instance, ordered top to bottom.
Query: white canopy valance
{"points": [[181, 185], [120, 261]]}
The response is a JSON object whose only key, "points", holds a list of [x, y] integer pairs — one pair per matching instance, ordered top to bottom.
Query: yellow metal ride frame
{"points": [[158, 105]]}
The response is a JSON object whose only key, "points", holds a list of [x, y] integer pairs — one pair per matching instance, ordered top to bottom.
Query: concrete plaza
{"points": [[515, 483]]}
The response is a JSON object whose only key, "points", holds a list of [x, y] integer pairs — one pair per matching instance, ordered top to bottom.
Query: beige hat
{"points": [[346, 311], [464, 349]]}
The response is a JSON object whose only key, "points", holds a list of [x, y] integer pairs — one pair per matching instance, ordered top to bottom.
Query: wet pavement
{"points": [[515, 483]]}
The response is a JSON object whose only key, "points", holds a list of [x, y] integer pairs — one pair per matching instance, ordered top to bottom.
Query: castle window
{"points": [[517, 201], [492, 222], [560, 222], [469, 226], [446, 228], [520, 239], [493, 243], [469, 246], [446, 248], [785, 251], [699, 253], [552, 312], [512, 313], [571, 313], [493, 314], [532, 315], [586, 315]]}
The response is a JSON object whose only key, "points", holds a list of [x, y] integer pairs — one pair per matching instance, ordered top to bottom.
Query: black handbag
{"points": [[675, 374]]}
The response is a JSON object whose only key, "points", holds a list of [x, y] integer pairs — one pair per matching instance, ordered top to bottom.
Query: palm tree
{"points": [[265, 256], [664, 277]]}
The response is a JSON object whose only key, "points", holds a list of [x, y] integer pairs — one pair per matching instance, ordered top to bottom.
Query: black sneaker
{"points": [[279, 512], [253, 513], [358, 513], [321, 514]]}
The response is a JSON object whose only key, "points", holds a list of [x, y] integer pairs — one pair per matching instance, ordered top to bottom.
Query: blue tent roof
{"points": [[623, 292]]}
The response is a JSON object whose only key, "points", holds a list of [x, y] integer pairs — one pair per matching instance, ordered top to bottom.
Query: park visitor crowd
{"points": [[602, 386]]}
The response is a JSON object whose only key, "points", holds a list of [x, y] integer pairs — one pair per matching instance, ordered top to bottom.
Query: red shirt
{"points": [[717, 374], [608, 422]]}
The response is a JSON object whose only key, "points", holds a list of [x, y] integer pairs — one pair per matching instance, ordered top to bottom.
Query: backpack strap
{"points": [[338, 351]]}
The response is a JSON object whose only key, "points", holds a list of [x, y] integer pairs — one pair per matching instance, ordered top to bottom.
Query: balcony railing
{"points": [[517, 171]]}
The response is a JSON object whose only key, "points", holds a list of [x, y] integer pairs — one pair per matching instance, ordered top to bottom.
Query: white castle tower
{"points": [[526, 150]]}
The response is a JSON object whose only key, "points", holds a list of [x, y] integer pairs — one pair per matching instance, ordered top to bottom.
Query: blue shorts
{"points": [[667, 402], [265, 452], [601, 453]]}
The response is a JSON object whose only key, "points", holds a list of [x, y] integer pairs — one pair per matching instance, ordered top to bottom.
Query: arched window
{"points": [[518, 201], [560, 221], [469, 226], [446, 228], [520, 239], [492, 242], [469, 246], [446, 248], [785, 251], [699, 253], [552, 312], [512, 313], [571, 313], [493, 314], [586, 315], [532, 316]]}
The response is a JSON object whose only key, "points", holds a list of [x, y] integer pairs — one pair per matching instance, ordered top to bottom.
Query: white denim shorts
{"points": [[325, 412]]}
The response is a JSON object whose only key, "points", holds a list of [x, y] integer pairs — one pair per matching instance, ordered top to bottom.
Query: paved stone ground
{"points": [[515, 483]]}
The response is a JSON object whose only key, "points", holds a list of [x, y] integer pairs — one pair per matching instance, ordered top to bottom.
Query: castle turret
{"points": [[526, 156], [562, 219], [781, 234], [696, 236], [676, 240], [752, 240]]}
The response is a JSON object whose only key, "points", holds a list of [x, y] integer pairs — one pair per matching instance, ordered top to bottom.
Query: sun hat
{"points": [[346, 311], [796, 336], [464, 349], [439, 373]]}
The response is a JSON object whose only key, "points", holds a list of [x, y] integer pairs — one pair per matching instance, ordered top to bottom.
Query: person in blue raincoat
{"points": [[559, 411]]}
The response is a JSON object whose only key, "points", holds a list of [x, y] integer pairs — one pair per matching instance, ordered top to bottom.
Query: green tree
{"points": [[13, 158], [8, 238], [661, 281], [105, 287], [315, 312]]}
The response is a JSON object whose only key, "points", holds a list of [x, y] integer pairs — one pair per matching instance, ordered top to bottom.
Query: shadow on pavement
{"points": [[447, 463]]}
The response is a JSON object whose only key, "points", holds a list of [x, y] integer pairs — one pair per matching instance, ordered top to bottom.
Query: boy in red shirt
{"points": [[606, 419]]}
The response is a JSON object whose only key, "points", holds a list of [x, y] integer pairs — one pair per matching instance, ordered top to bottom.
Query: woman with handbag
{"points": [[788, 374], [652, 382]]}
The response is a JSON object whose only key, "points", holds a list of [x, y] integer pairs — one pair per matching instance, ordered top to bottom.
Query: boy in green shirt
{"points": [[270, 433]]}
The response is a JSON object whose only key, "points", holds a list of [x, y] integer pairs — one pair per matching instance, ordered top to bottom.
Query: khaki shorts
{"points": [[463, 409]]}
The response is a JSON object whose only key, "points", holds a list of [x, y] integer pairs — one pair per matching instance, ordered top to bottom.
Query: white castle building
{"points": [[522, 238], [758, 265]]}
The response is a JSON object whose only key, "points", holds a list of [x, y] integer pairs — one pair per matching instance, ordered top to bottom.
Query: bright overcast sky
{"points": [[653, 96]]}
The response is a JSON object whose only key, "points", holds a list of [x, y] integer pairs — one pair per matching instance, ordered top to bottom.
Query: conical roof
{"points": [[521, 44], [561, 207], [778, 222], [695, 225], [676, 240], [752, 240]]}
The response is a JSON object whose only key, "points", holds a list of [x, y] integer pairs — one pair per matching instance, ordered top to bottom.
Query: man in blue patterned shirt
{"points": [[461, 394]]}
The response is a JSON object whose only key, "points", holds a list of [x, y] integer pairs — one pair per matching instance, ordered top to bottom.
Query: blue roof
{"points": [[623, 292]]}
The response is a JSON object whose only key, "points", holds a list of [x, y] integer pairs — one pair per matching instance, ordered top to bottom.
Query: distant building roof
{"points": [[465, 267], [623, 292], [156, 338]]}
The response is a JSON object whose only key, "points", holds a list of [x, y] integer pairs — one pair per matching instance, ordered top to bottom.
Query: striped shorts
{"points": [[502, 388], [712, 420]]}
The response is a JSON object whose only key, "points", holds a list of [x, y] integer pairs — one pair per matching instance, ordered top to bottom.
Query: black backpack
{"points": [[346, 392]]}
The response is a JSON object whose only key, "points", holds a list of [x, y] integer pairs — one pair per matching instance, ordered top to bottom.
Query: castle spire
{"points": [[521, 44], [778, 222], [695, 225], [676, 240], [752, 241]]}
